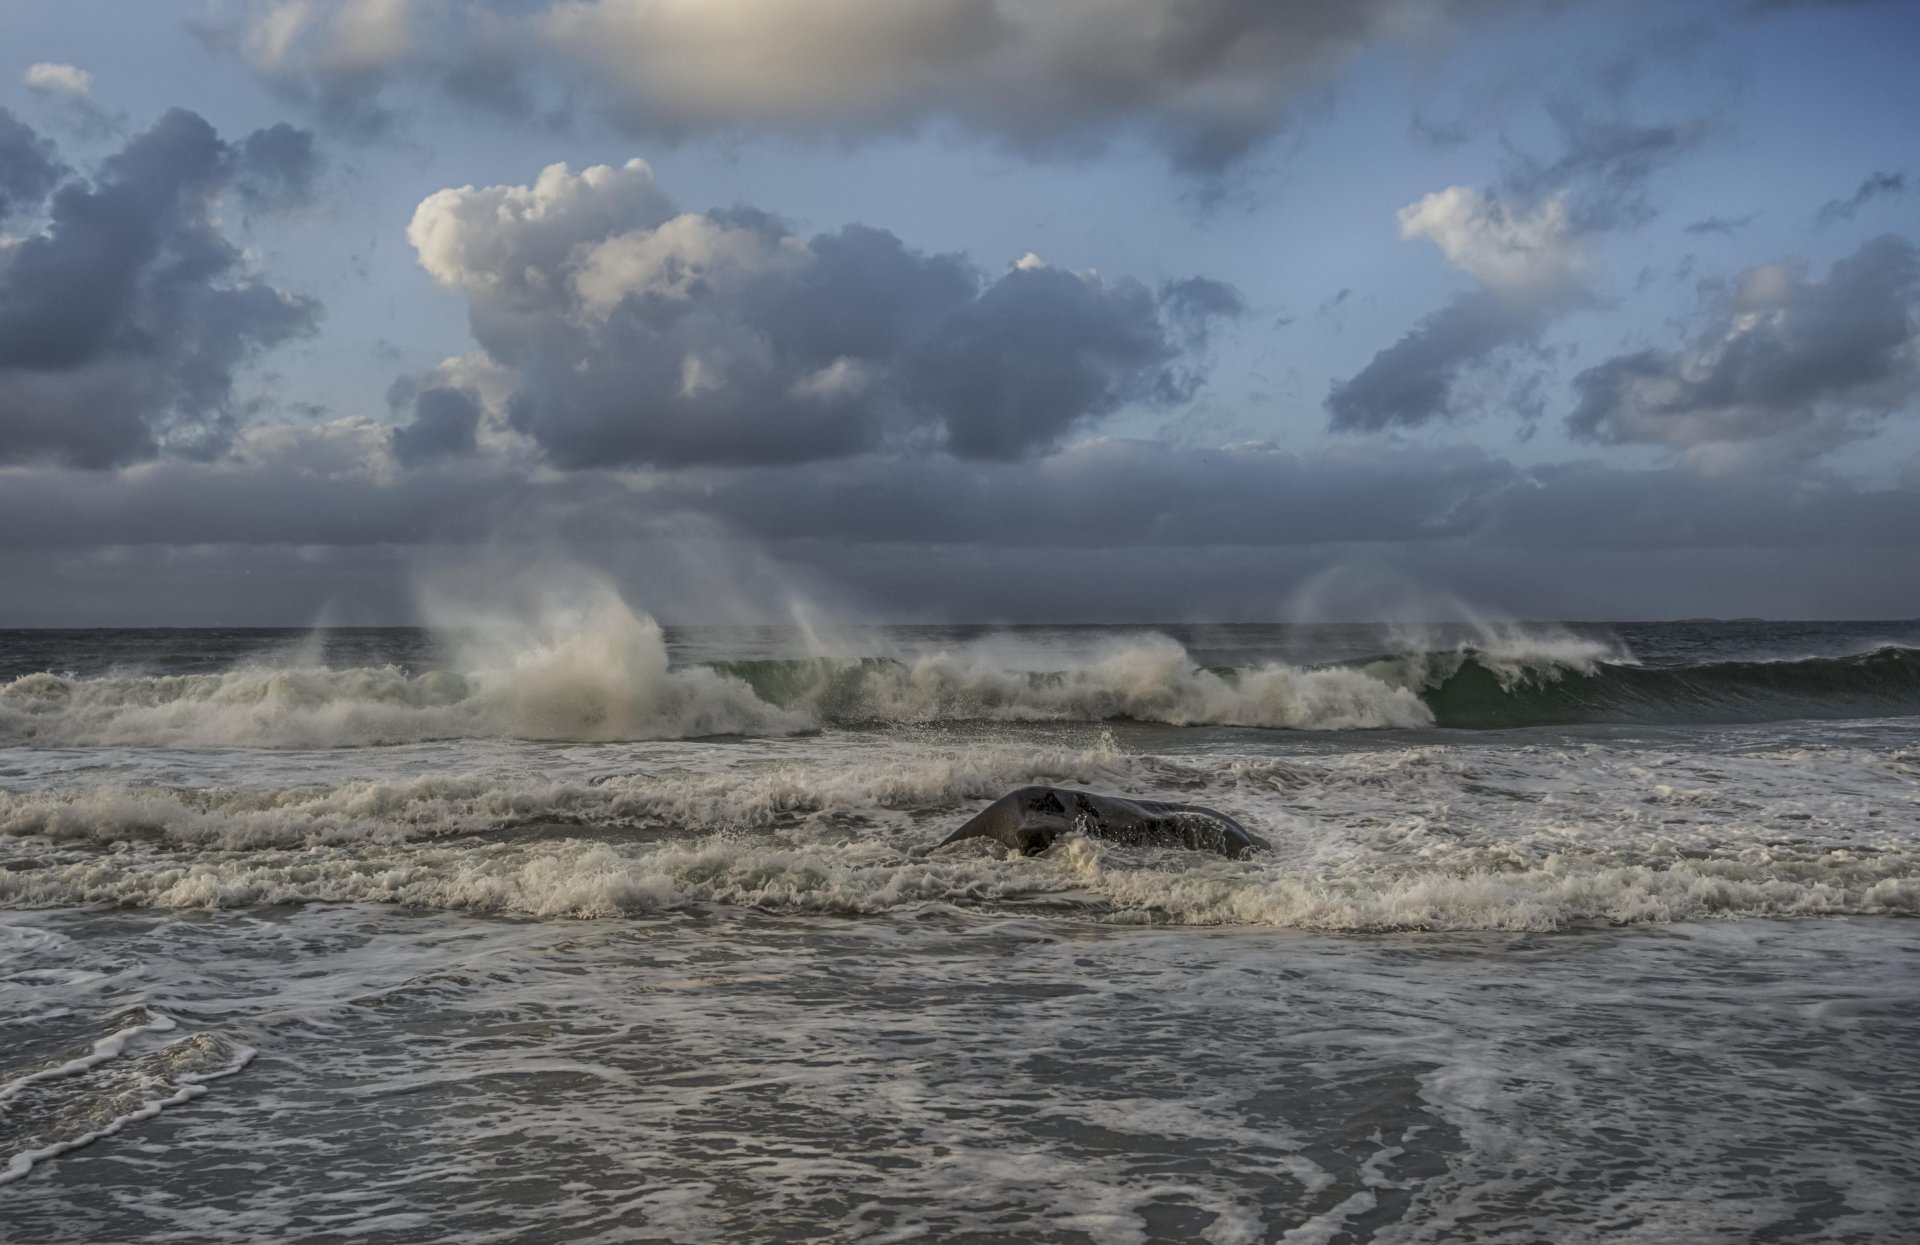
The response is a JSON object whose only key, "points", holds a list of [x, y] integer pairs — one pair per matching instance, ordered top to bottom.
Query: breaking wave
{"points": [[596, 675], [606, 675]]}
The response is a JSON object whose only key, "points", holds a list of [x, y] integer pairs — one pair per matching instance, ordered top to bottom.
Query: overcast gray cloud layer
{"points": [[1119, 494]]}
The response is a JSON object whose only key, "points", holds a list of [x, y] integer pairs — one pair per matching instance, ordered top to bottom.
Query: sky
{"points": [[961, 310]]}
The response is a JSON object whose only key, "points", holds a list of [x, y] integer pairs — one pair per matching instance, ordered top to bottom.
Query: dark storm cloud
{"points": [[1205, 81], [29, 166], [1874, 187], [123, 320], [641, 335], [1784, 355], [1412, 382], [445, 424], [1104, 494], [1102, 530]]}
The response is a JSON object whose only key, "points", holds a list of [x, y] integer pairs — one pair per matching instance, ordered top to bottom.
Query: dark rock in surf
{"points": [[1029, 819]]}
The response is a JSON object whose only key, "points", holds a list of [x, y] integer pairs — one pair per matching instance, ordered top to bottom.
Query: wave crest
{"points": [[602, 673]]}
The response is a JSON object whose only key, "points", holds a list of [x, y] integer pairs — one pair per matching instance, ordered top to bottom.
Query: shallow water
{"points": [[386, 936], [967, 1077]]}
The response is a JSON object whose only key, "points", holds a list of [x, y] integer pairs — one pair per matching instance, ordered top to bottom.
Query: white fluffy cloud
{"points": [[57, 79], [513, 238], [1517, 252], [681, 256]]}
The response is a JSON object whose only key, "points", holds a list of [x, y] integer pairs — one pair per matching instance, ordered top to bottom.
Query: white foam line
{"points": [[106, 1048], [195, 1085], [1325, 1226]]}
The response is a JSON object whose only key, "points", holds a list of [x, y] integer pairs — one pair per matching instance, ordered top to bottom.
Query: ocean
{"points": [[584, 930]]}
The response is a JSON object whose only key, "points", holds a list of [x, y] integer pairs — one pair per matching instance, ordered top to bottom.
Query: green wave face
{"points": [[1885, 682]]}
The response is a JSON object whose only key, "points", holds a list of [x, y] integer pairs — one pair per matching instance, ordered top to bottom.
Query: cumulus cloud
{"points": [[58, 79], [1206, 81], [29, 166], [275, 167], [1527, 248], [1518, 254], [1528, 264], [124, 317], [638, 333], [1784, 355], [1415, 380], [445, 424]]}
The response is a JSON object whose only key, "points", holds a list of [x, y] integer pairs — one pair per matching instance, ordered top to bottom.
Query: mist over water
{"points": [[231, 862]]}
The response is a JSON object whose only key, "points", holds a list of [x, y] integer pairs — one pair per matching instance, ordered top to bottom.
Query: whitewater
{"points": [[575, 927]]}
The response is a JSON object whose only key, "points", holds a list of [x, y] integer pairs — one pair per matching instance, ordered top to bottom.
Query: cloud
{"points": [[58, 79], [1204, 81], [71, 88], [1605, 162], [29, 167], [275, 167], [1874, 187], [1726, 227], [1527, 247], [1519, 255], [1528, 265], [125, 316], [640, 334], [1784, 356], [1414, 381], [445, 424], [327, 486], [1103, 529]]}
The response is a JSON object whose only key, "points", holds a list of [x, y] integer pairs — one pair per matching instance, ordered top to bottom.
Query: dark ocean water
{"points": [[581, 930]]}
